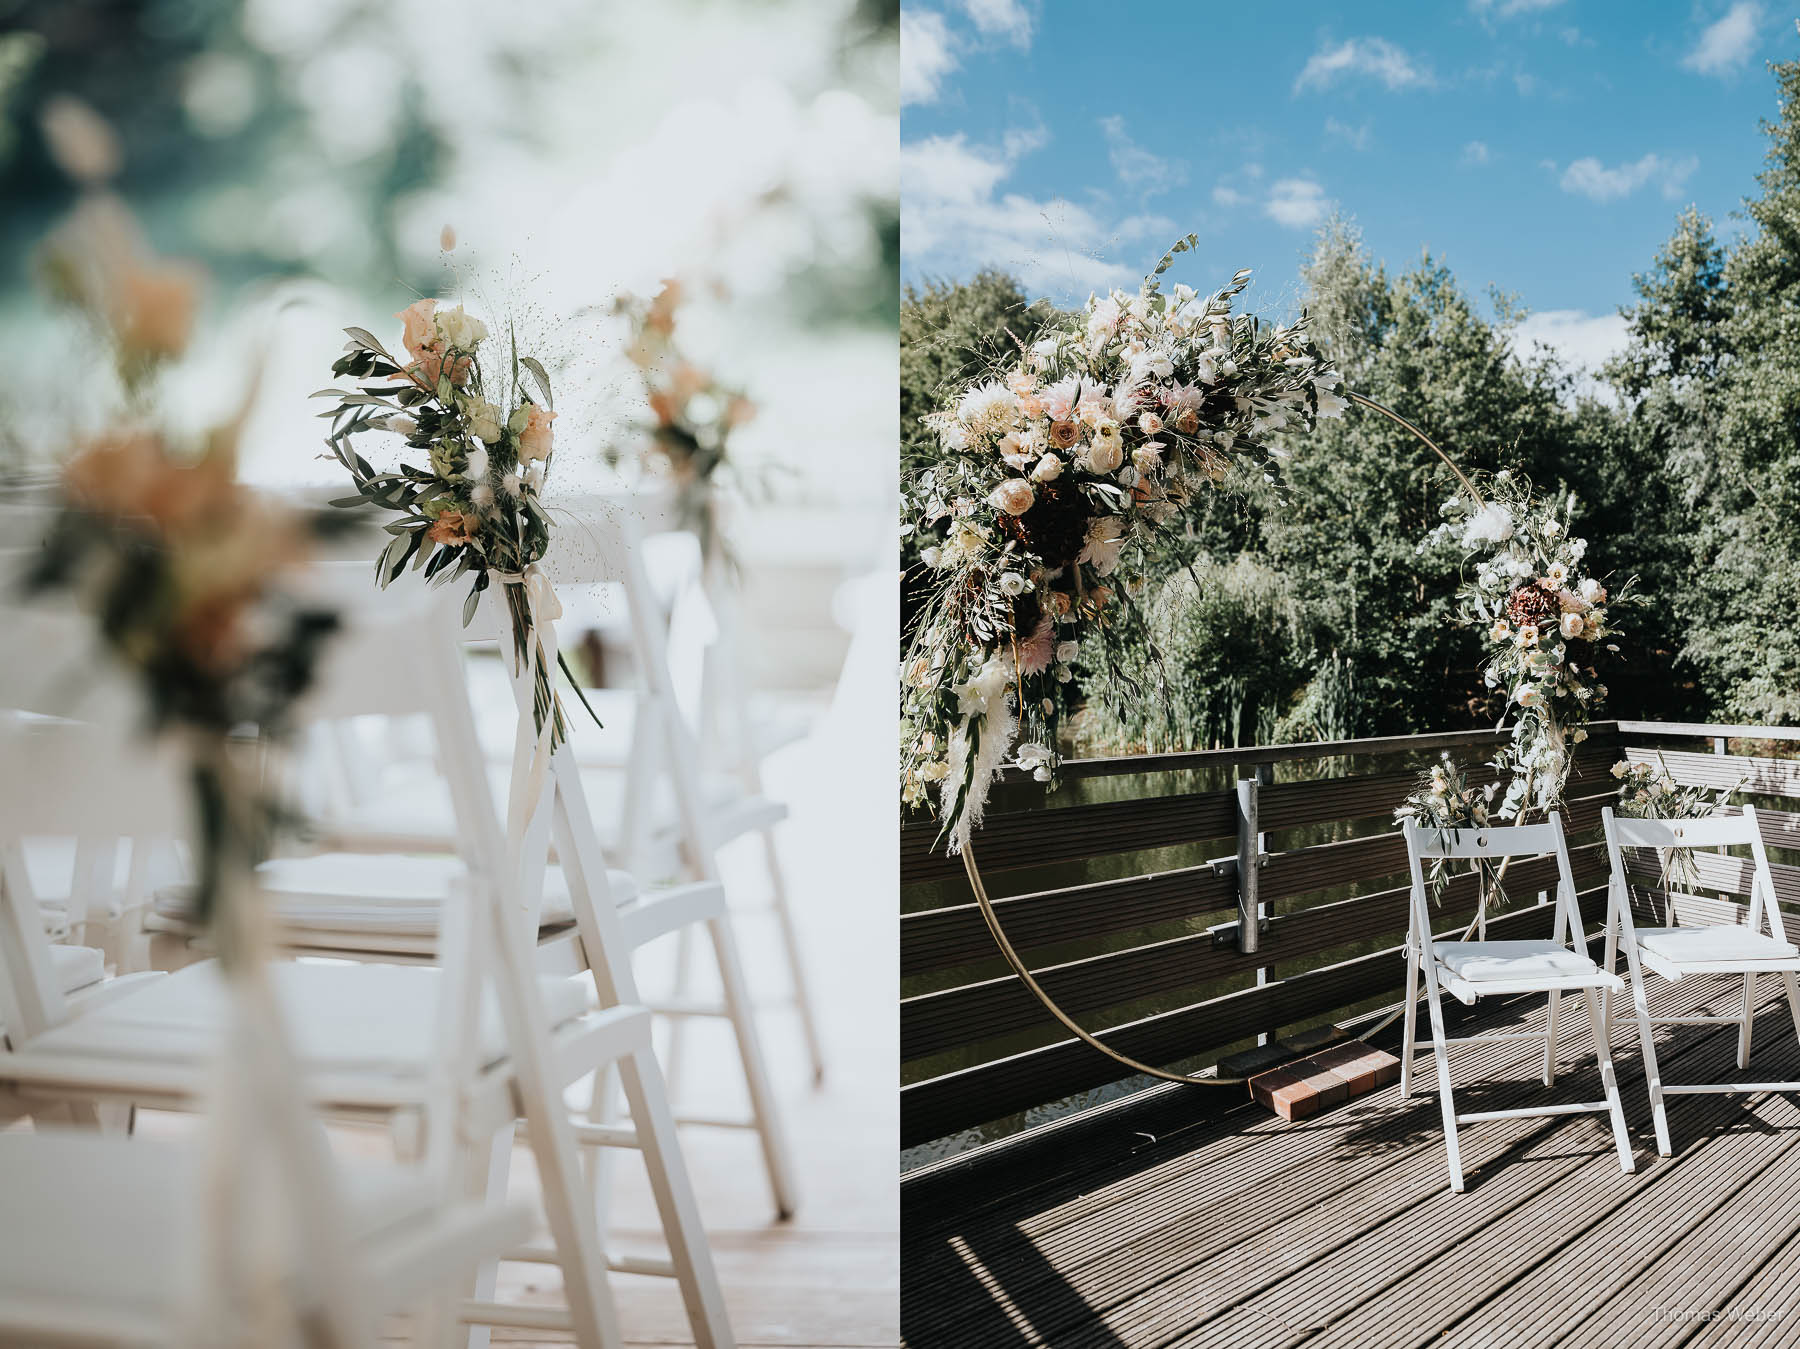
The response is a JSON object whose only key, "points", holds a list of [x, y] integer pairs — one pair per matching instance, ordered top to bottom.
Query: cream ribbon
{"points": [[544, 609]]}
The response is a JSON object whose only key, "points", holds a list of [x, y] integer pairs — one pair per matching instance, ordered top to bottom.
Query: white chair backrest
{"points": [[56, 665], [74, 779], [1713, 831], [1512, 840], [1500, 841]]}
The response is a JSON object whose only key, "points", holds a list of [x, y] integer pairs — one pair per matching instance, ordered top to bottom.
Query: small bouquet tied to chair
{"points": [[477, 442]]}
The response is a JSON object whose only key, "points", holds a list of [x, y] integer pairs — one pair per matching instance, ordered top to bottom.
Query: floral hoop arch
{"points": [[1017, 962]]}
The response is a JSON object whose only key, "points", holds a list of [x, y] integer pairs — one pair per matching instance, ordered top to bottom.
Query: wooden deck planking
{"points": [[1241, 1230]]}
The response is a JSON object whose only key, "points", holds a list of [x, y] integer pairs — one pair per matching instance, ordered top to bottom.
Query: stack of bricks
{"points": [[1302, 1087]]}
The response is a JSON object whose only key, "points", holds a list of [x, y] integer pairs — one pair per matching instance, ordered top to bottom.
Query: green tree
{"points": [[950, 334], [1743, 585]]}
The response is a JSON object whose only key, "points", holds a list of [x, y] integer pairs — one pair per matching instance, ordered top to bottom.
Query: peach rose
{"points": [[153, 309], [661, 314], [418, 333], [431, 366], [666, 407], [534, 440], [452, 527]]}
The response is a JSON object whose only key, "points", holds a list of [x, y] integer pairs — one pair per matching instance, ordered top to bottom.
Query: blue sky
{"points": [[1541, 146]]}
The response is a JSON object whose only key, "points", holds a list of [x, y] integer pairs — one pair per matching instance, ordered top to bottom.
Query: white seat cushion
{"points": [[412, 806], [379, 893], [1713, 943], [1486, 961], [77, 966], [343, 1018], [98, 1224]]}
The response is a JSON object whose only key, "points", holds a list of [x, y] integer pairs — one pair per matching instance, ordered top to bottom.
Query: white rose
{"points": [[458, 329], [484, 421], [1104, 456], [1048, 469], [1014, 496], [1011, 583], [1592, 591], [1573, 625], [1067, 651]]}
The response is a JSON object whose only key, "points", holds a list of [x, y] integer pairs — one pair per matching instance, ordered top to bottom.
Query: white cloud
{"points": [[1506, 9], [1001, 18], [1725, 47], [925, 55], [1374, 57], [1356, 137], [1475, 152], [1138, 169], [1590, 178], [1228, 197], [1298, 203], [955, 219], [1583, 341]]}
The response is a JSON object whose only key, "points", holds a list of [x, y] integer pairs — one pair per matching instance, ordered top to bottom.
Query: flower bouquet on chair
{"points": [[692, 414], [479, 429], [184, 573], [1650, 792], [1445, 800]]}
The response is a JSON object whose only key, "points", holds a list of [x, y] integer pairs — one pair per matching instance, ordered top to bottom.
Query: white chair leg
{"points": [[790, 942], [680, 989], [1793, 996], [1747, 1022], [1409, 1034], [1647, 1041], [1550, 1046], [756, 1077], [1609, 1080], [1446, 1102], [602, 1109], [486, 1172], [700, 1290]]}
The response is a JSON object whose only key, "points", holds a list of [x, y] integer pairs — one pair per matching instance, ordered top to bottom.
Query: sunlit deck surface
{"points": [[1187, 1221]]}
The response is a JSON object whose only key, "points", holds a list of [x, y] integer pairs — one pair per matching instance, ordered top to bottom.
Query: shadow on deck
{"points": [[1185, 1221]]}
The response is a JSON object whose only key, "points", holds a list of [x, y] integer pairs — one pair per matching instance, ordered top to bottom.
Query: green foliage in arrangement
{"points": [[1308, 610]]}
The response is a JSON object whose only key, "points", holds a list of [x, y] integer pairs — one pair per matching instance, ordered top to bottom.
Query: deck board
{"points": [[1184, 1223]]}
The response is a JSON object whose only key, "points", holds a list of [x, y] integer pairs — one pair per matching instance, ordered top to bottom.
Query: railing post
{"points": [[1248, 853]]}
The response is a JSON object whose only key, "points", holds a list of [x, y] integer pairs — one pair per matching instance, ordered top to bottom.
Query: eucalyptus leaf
{"points": [[367, 340], [532, 364]]}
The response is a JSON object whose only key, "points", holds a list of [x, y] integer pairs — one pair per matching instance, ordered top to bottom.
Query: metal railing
{"points": [[1237, 894]]}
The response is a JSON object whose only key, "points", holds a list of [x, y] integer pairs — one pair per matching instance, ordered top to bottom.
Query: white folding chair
{"points": [[601, 554], [703, 723], [1678, 949], [1470, 970], [364, 1031], [104, 1235]]}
